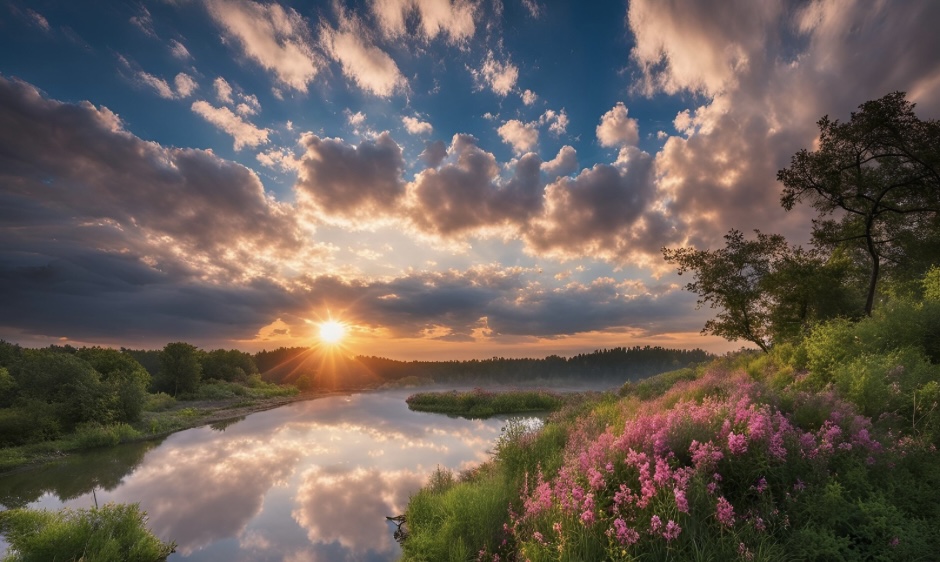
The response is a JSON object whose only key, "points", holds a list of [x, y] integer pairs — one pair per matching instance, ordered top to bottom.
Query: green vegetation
{"points": [[60, 399], [479, 403], [820, 446], [112, 532]]}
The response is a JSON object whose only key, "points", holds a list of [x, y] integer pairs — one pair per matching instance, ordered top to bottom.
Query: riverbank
{"points": [[180, 416]]}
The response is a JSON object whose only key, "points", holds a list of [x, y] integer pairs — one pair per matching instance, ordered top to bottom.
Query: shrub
{"points": [[159, 402], [112, 532]]}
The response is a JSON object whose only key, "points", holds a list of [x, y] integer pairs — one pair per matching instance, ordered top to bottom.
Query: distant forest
{"points": [[617, 365]]}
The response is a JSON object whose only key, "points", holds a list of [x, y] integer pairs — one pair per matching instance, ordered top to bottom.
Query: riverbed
{"points": [[310, 480]]}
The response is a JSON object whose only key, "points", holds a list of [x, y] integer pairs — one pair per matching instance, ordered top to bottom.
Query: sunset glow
{"points": [[332, 332]]}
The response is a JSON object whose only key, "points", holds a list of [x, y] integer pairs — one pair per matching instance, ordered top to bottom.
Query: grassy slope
{"points": [[825, 451]]}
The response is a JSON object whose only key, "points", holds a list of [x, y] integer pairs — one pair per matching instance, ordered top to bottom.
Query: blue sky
{"points": [[449, 178]]}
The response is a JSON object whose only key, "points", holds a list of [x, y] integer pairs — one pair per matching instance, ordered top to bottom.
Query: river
{"points": [[308, 481]]}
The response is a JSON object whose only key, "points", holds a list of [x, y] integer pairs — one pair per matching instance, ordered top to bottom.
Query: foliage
{"points": [[875, 181], [228, 365], [180, 367], [125, 381], [656, 385], [159, 402], [479, 403], [112, 532]]}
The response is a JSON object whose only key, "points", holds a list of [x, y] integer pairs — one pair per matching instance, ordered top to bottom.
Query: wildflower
{"points": [[737, 443], [761, 485], [799, 486], [682, 504], [725, 512], [588, 517], [655, 523], [556, 527], [672, 531], [625, 535], [538, 537], [744, 552]]}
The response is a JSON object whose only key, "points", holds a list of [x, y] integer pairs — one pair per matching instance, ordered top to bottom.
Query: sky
{"points": [[450, 179]]}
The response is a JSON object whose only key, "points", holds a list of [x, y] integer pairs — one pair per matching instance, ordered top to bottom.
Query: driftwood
{"points": [[400, 533]]}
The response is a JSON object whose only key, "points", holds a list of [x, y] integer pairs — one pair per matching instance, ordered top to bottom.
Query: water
{"points": [[308, 481]]}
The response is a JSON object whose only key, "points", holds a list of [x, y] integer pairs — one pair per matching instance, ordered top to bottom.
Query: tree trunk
{"points": [[873, 282]]}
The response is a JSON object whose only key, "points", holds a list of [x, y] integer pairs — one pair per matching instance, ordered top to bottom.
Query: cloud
{"points": [[534, 8], [453, 18], [39, 20], [144, 22], [276, 38], [179, 50], [371, 68], [765, 73], [500, 77], [159, 85], [185, 85], [223, 91], [529, 97], [355, 119], [557, 121], [416, 126], [616, 129], [244, 133], [523, 137], [564, 163], [351, 182], [465, 194], [604, 211]]}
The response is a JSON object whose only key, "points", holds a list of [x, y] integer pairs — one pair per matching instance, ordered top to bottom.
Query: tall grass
{"points": [[479, 403], [107, 534]]}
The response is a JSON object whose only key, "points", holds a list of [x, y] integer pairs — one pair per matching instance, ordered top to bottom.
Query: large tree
{"points": [[875, 181], [767, 291], [181, 367]]}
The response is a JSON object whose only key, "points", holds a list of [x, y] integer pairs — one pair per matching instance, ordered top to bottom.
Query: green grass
{"points": [[479, 403], [112, 532]]}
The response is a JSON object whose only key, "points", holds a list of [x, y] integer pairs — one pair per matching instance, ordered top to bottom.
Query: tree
{"points": [[875, 182], [731, 279], [767, 290], [181, 367], [124, 379]]}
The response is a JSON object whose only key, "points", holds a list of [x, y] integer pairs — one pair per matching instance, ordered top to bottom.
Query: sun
{"points": [[332, 332]]}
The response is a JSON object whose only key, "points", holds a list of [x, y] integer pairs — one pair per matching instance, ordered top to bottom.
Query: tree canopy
{"points": [[875, 181]]}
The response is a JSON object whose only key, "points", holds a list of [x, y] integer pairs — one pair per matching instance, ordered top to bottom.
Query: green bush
{"points": [[657, 385], [159, 402], [94, 435], [112, 532]]}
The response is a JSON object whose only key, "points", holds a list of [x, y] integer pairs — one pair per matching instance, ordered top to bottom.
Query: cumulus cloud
{"points": [[452, 18], [276, 38], [371, 68], [766, 71], [500, 77], [185, 85], [529, 97], [557, 121], [416, 126], [616, 129], [243, 132], [523, 137], [564, 163], [342, 181], [465, 194]]}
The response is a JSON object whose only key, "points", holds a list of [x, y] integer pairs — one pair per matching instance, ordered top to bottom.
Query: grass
{"points": [[479, 403], [112, 532]]}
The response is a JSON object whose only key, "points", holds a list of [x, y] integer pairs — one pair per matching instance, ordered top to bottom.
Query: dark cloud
{"points": [[65, 169], [352, 182], [465, 194]]}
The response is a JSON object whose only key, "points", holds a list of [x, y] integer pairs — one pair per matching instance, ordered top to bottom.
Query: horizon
{"points": [[433, 181]]}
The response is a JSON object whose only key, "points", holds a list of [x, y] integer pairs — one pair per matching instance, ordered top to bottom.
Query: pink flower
{"points": [[737, 443], [761, 485], [682, 504], [725, 512], [588, 517], [655, 523], [556, 527], [672, 531], [625, 535], [538, 537]]}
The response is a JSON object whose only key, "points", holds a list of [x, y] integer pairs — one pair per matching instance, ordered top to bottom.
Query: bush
{"points": [[657, 385], [159, 402], [94, 435], [112, 532]]}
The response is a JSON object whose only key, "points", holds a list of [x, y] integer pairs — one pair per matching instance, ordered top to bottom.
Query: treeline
{"points": [[615, 365], [48, 393]]}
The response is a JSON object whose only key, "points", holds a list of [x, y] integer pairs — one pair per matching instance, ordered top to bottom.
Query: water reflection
{"points": [[309, 481]]}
